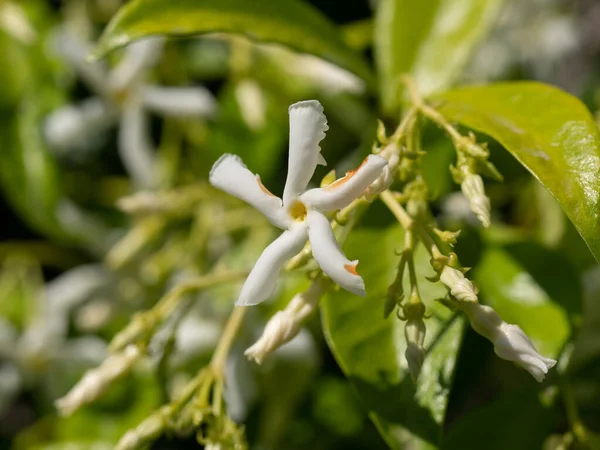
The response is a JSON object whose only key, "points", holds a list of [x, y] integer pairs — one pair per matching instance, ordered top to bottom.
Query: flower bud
{"points": [[473, 189], [459, 286], [285, 325], [414, 332], [510, 342], [96, 381], [146, 432]]}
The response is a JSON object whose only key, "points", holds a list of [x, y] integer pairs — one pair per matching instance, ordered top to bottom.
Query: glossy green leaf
{"points": [[291, 23], [429, 39], [550, 132], [534, 288], [370, 349], [518, 421]]}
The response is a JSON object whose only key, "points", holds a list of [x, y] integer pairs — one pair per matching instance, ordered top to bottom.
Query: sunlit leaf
{"points": [[291, 23], [429, 39], [550, 132], [370, 349]]}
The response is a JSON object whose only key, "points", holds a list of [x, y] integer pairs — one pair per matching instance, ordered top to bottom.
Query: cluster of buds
{"points": [[473, 161]]}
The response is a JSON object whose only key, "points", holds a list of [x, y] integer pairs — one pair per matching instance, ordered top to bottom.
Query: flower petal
{"points": [[75, 51], [139, 57], [179, 101], [308, 125], [67, 126], [135, 147], [231, 175], [343, 191], [328, 255], [262, 280]]}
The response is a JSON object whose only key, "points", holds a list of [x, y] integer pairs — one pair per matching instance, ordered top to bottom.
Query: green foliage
{"points": [[291, 23], [411, 37], [550, 132], [370, 349]]}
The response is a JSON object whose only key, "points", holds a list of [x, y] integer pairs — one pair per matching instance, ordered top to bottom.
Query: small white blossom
{"points": [[123, 98], [473, 189], [300, 213], [459, 286], [285, 325], [510, 342], [97, 380]]}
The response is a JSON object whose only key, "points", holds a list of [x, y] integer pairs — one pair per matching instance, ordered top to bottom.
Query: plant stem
{"points": [[217, 363]]}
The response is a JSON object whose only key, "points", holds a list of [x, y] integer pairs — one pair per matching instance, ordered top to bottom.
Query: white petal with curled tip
{"points": [[139, 57], [179, 101], [308, 125], [67, 126], [135, 147], [231, 175], [343, 191], [328, 255], [262, 280]]}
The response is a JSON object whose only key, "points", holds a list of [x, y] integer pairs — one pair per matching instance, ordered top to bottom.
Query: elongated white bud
{"points": [[473, 189], [459, 286], [286, 324], [414, 332], [510, 342], [96, 381], [147, 431]]}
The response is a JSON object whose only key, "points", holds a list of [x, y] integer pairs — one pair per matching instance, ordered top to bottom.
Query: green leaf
{"points": [[291, 23], [429, 39], [550, 132], [533, 288], [370, 349], [503, 425]]}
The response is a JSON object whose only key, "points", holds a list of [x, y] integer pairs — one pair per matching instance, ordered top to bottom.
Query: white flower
{"points": [[123, 98], [300, 213], [459, 286], [510, 342]]}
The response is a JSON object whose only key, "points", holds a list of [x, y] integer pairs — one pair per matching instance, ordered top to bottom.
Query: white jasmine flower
{"points": [[123, 98], [387, 177], [473, 189], [300, 213], [459, 286], [510, 342]]}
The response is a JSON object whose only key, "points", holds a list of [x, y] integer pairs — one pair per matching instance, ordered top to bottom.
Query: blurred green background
{"points": [[74, 267]]}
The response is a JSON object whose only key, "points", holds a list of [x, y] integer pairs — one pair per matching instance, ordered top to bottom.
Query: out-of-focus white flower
{"points": [[14, 21], [123, 97], [252, 105], [473, 189], [300, 213], [459, 286], [285, 325], [510, 342], [97, 380]]}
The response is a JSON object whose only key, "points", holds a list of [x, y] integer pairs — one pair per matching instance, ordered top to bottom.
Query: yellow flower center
{"points": [[297, 210]]}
